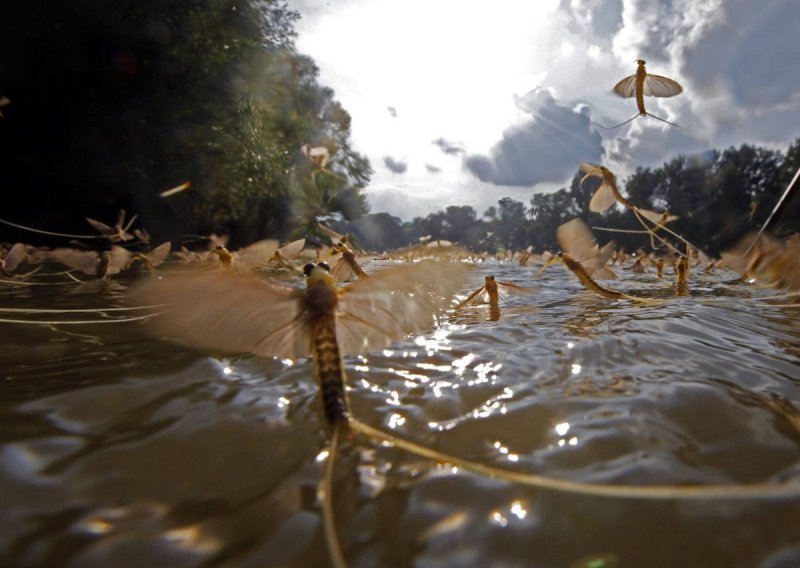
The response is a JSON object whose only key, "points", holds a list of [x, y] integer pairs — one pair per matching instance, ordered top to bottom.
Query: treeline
{"points": [[113, 103], [718, 197]]}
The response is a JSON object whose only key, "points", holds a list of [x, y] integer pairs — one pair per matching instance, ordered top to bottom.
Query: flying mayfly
{"points": [[643, 84], [608, 193], [583, 257], [492, 292]]}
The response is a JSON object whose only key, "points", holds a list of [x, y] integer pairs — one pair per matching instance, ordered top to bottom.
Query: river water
{"points": [[118, 449]]}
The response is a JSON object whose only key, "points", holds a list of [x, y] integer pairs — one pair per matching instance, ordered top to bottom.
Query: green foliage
{"points": [[113, 106], [718, 197]]}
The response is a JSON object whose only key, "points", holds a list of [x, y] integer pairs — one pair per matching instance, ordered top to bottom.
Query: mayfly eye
{"points": [[219, 247], [325, 266], [308, 268], [490, 277]]}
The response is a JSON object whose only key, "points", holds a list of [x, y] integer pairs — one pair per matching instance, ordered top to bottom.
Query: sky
{"points": [[460, 102]]}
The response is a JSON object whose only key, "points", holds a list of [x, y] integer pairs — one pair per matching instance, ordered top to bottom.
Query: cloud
{"points": [[599, 19], [450, 148], [544, 149], [396, 166], [432, 169]]}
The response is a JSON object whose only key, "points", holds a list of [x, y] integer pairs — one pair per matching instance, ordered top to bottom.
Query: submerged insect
{"points": [[643, 84], [605, 195]]}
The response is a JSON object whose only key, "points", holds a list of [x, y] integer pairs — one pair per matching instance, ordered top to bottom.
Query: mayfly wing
{"points": [[658, 86], [627, 87], [602, 199], [102, 228], [576, 239], [292, 249], [16, 254], [159, 254], [255, 255], [120, 258], [85, 261], [342, 271], [476, 297], [395, 302], [219, 312]]}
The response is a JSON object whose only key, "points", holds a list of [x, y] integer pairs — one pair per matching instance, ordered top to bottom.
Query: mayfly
{"points": [[643, 84], [319, 156], [608, 193], [119, 232], [576, 238], [248, 258], [152, 259], [348, 265], [101, 266], [681, 274], [492, 291], [213, 311], [216, 312]]}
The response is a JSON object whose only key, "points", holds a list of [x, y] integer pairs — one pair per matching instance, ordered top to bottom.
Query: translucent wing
{"points": [[658, 86], [627, 87], [602, 199], [102, 228], [578, 241], [292, 249], [159, 254], [255, 255], [14, 257], [120, 258], [85, 261], [342, 271], [511, 289], [479, 296], [394, 303], [220, 312]]}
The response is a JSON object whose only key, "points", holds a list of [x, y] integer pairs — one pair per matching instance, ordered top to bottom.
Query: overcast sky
{"points": [[463, 103]]}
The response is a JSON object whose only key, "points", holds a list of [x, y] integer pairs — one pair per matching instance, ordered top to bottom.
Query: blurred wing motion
{"points": [[177, 189], [604, 197], [578, 242], [770, 261], [394, 303], [219, 312]]}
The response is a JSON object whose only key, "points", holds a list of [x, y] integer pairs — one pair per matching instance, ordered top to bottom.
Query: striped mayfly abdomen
{"points": [[587, 280], [320, 304]]}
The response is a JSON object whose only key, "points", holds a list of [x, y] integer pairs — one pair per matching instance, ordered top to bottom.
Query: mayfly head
{"points": [[640, 61], [319, 273]]}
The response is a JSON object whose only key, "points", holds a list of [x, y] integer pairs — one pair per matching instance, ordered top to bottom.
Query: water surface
{"points": [[121, 449]]}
